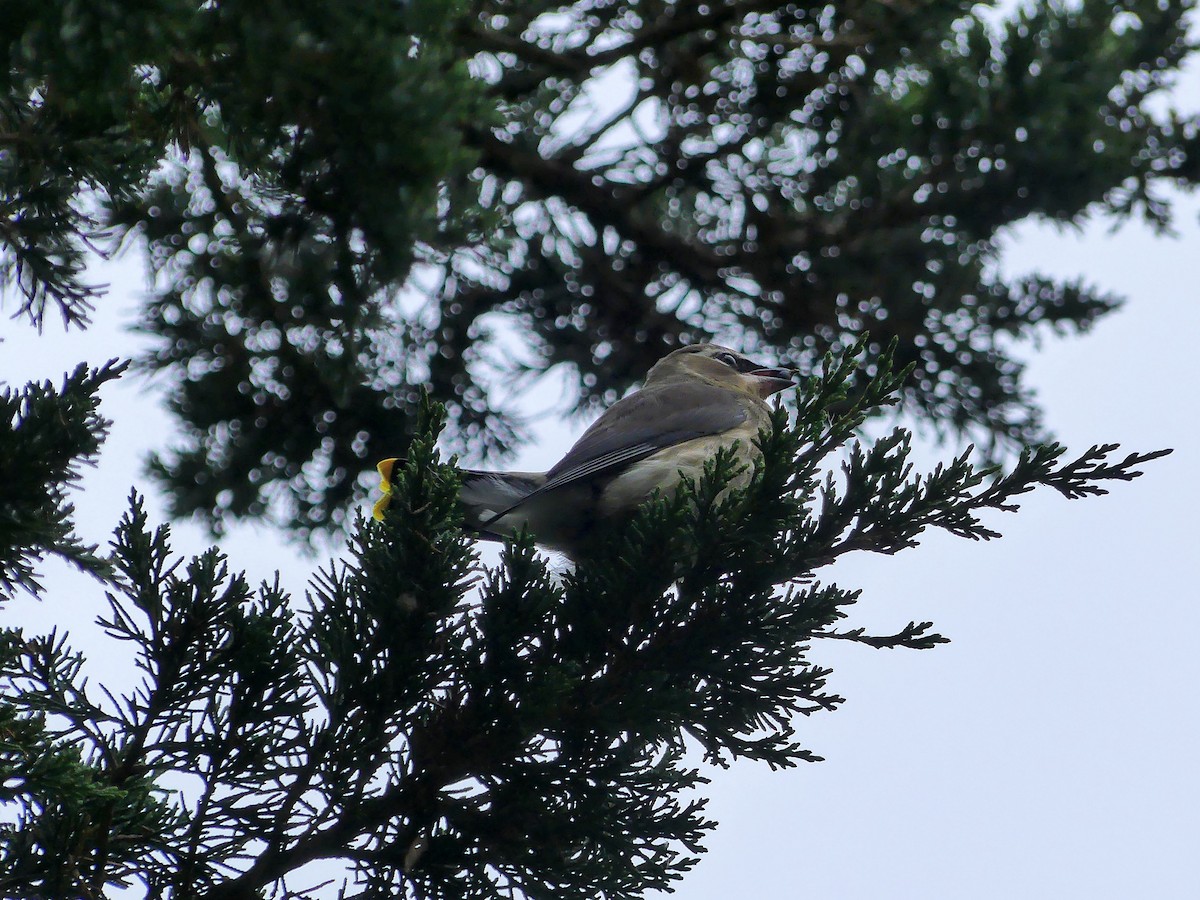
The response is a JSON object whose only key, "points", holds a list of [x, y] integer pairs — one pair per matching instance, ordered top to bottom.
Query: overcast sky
{"points": [[1049, 751]]}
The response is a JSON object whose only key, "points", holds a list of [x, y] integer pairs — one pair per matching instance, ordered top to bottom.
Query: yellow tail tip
{"points": [[385, 486]]}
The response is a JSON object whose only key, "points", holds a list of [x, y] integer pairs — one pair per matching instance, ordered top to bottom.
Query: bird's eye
{"points": [[728, 359]]}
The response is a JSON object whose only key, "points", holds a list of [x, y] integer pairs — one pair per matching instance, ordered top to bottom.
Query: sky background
{"points": [[1049, 751]]}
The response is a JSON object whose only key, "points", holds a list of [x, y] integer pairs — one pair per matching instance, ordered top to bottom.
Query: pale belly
{"points": [[664, 469]]}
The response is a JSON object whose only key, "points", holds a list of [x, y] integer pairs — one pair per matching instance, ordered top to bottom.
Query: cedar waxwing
{"points": [[696, 400]]}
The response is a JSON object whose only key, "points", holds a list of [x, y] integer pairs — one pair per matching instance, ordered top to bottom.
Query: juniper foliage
{"points": [[49, 435], [422, 727]]}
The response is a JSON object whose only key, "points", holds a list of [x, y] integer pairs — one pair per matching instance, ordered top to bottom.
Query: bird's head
{"points": [[722, 367]]}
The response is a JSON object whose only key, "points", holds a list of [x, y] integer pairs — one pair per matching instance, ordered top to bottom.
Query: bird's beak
{"points": [[770, 381]]}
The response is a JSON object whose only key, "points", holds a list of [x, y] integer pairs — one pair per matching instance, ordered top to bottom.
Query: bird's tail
{"points": [[385, 488], [483, 494]]}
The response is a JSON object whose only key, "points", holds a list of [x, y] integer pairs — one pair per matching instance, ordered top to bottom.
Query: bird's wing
{"points": [[639, 426]]}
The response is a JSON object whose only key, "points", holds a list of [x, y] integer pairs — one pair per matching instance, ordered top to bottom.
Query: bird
{"points": [[695, 401]]}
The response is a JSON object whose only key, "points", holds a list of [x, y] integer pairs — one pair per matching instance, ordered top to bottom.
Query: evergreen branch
{"points": [[45, 256], [46, 437], [1078, 478], [883, 507], [914, 636], [722, 644], [449, 734]]}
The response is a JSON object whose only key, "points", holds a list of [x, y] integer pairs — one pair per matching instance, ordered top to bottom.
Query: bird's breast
{"points": [[664, 469]]}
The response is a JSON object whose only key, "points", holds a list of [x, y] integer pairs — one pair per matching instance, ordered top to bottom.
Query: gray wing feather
{"points": [[639, 426]]}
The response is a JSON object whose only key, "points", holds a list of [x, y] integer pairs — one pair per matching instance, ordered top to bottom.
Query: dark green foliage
{"points": [[79, 123], [285, 164], [323, 170], [336, 210], [46, 437], [445, 731], [83, 820]]}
